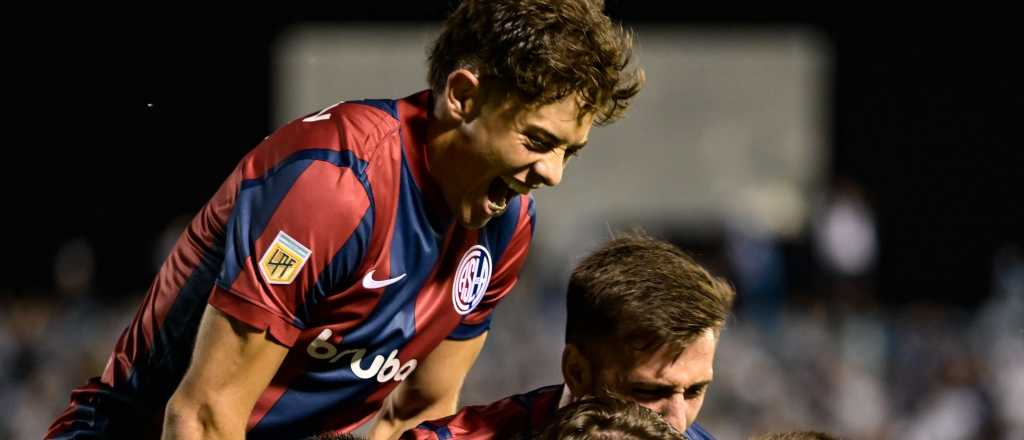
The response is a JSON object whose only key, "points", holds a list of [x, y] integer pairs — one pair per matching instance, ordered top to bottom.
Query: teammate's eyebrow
{"points": [[551, 139], [651, 385], [698, 385], [659, 386]]}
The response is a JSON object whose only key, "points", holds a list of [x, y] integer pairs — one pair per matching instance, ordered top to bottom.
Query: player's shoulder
{"points": [[364, 120], [364, 127], [347, 131], [324, 155], [541, 397], [522, 411], [488, 421]]}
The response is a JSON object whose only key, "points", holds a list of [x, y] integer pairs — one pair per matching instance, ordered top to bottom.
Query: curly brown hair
{"points": [[540, 51], [642, 293], [607, 417]]}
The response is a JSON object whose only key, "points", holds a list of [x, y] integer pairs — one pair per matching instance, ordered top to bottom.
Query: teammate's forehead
{"points": [[561, 119], [668, 366], [668, 372], [678, 379]]}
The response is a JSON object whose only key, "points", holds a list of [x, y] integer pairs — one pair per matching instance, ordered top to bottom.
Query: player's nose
{"points": [[549, 167], [674, 411]]}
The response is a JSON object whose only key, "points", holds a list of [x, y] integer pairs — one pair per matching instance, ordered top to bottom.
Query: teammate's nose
{"points": [[549, 167], [673, 410]]}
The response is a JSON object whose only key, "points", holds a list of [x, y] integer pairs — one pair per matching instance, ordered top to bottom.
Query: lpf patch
{"points": [[283, 259], [471, 279]]}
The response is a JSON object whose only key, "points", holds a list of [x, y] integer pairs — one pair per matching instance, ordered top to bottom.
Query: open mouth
{"points": [[502, 190], [498, 195]]}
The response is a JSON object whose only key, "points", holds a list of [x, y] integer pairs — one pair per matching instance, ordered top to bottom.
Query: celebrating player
{"points": [[350, 263], [643, 323]]}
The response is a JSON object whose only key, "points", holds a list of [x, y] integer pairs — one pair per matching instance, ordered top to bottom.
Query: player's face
{"points": [[509, 150], [671, 386]]}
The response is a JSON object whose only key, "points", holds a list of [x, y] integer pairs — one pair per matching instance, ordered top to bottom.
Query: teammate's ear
{"points": [[462, 95], [577, 371]]}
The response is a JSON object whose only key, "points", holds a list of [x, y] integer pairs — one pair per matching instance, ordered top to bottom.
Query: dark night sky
{"points": [[924, 117]]}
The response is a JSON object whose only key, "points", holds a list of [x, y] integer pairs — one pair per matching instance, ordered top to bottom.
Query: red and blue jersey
{"points": [[333, 237], [521, 416]]}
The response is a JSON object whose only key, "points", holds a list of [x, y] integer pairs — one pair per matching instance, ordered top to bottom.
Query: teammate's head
{"points": [[537, 52], [517, 86], [643, 322], [607, 418], [796, 435]]}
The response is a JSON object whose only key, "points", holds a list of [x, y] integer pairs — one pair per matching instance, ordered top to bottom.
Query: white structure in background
{"points": [[730, 123], [730, 126]]}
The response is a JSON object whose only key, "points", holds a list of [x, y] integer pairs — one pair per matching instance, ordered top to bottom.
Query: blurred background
{"points": [[857, 179]]}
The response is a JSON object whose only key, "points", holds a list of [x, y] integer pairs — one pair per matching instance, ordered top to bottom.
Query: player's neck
{"points": [[442, 136], [424, 153]]}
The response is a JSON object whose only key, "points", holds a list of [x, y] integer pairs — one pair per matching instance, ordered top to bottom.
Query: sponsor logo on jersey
{"points": [[370, 283], [381, 368]]}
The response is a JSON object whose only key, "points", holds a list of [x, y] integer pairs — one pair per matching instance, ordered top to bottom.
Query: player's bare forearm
{"points": [[231, 365], [431, 391], [186, 419], [393, 419]]}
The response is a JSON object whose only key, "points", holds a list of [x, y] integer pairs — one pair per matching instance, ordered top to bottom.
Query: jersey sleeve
{"points": [[294, 234], [513, 254]]}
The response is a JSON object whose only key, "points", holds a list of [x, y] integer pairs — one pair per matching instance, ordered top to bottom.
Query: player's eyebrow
{"points": [[550, 139], [699, 385], [665, 386]]}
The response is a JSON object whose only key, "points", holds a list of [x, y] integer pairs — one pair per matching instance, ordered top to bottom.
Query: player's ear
{"points": [[462, 96], [577, 371]]}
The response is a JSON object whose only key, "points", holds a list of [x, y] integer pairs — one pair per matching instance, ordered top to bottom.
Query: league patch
{"points": [[283, 259]]}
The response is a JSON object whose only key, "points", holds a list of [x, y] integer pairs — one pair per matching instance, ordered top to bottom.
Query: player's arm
{"points": [[231, 366], [431, 392]]}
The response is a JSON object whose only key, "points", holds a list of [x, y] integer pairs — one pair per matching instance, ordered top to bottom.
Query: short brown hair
{"points": [[540, 51], [642, 293], [607, 418]]}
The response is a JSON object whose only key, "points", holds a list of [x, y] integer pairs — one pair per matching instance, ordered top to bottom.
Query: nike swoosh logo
{"points": [[370, 283]]}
